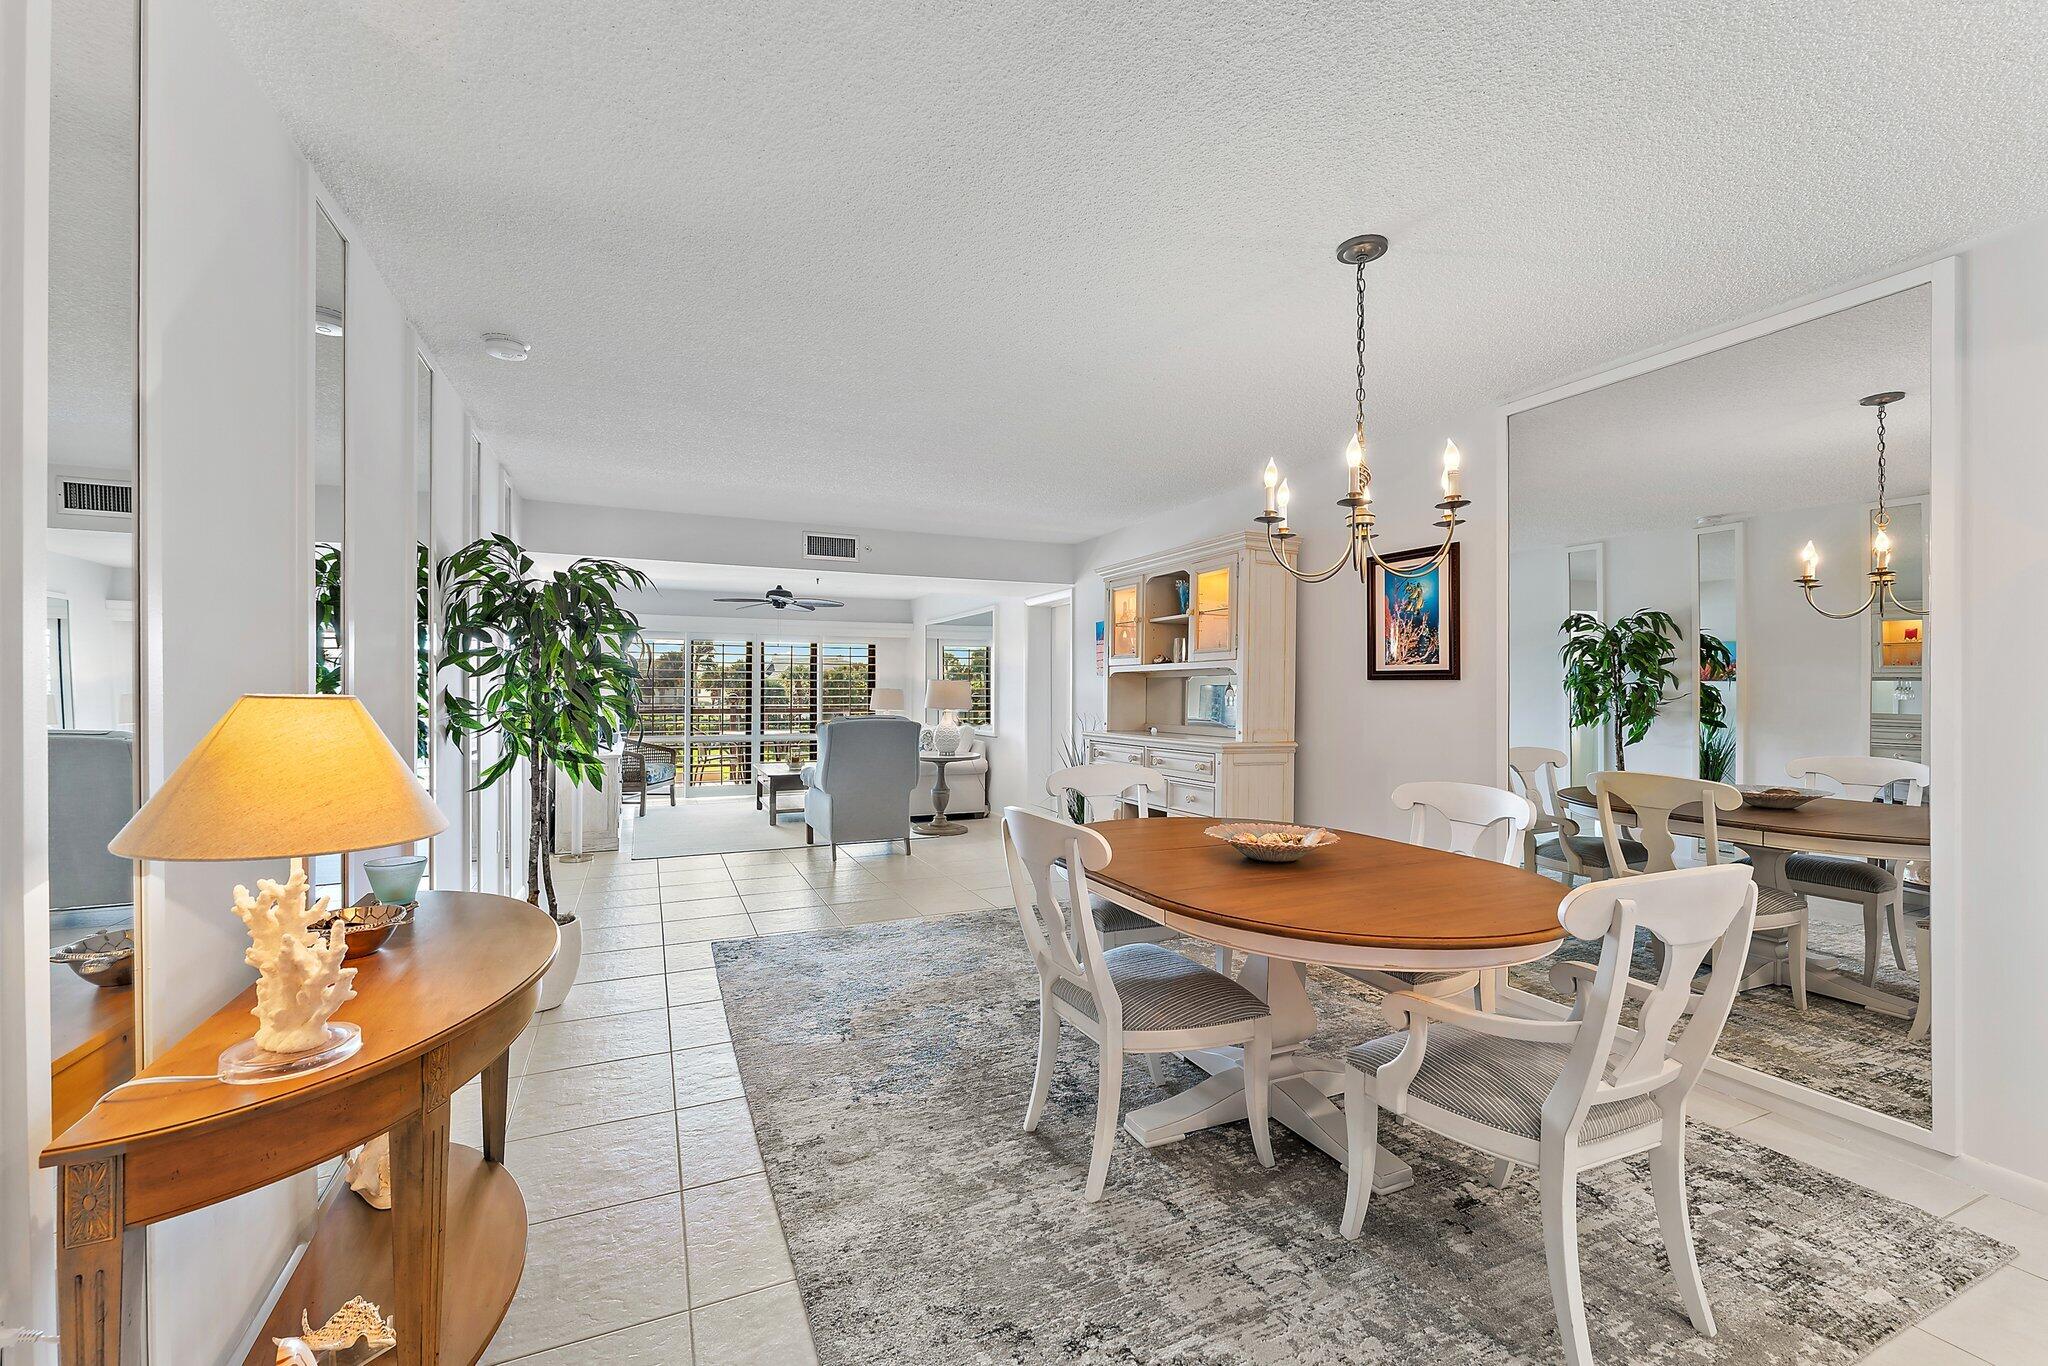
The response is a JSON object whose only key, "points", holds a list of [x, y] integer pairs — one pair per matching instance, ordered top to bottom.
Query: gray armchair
{"points": [[859, 789], [92, 795]]}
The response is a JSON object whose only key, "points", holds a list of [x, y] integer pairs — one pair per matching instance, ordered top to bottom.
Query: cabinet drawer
{"points": [[1103, 752], [1171, 761], [1194, 799]]}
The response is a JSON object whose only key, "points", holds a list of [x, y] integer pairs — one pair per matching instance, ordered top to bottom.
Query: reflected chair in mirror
{"points": [[645, 767], [1104, 790], [1652, 797], [1459, 818], [1555, 843], [1873, 884], [1140, 998], [1566, 1096]]}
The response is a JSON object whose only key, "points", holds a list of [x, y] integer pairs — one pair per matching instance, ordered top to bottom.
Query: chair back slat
{"points": [[1536, 769], [1863, 777], [1115, 781], [1653, 797], [1483, 822], [1691, 912], [1064, 938]]}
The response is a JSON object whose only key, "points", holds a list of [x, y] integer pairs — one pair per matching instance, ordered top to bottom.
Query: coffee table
{"points": [[771, 780]]}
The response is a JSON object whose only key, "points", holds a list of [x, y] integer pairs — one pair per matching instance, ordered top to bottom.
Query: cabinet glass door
{"points": [[1212, 596], [1123, 620]]}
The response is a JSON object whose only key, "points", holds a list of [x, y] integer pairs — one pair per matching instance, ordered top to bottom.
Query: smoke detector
{"points": [[498, 346]]}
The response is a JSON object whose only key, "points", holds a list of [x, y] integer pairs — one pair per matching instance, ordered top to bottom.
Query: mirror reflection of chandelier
{"points": [[1357, 504], [1883, 577]]}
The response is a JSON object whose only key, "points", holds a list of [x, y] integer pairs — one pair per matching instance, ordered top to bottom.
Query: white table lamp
{"points": [[948, 697], [884, 700]]}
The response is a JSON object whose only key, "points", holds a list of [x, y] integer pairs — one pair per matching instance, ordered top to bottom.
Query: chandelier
{"points": [[1359, 550], [1882, 576]]}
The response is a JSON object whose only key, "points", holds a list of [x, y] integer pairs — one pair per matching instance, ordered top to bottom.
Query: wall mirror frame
{"points": [[1940, 511], [427, 598], [950, 643]]}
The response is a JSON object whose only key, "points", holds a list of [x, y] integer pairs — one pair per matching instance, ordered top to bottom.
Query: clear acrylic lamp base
{"points": [[247, 1065]]}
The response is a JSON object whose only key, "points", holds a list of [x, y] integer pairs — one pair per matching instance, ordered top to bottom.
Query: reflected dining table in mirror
{"points": [[1831, 825], [1359, 904]]}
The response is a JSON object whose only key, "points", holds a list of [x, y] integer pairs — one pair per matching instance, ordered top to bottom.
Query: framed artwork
{"points": [[1414, 624], [1101, 649]]}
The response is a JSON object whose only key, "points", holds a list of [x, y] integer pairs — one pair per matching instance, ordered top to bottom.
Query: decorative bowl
{"points": [[1779, 798], [1271, 841], [396, 879], [366, 925], [105, 958]]}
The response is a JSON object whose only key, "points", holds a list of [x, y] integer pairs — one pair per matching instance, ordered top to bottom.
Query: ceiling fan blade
{"points": [[739, 599], [799, 602], [745, 603], [815, 603]]}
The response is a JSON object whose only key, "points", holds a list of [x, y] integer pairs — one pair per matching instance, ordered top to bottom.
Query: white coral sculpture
{"points": [[300, 979], [356, 1319]]}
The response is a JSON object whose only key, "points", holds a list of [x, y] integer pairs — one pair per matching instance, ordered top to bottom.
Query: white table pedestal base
{"points": [[1770, 966], [1299, 1087]]}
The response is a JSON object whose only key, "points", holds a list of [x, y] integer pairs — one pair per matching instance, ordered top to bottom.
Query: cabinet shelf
{"points": [[1168, 621], [1184, 666]]}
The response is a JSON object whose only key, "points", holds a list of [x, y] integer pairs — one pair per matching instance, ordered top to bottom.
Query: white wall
{"points": [[102, 618]]}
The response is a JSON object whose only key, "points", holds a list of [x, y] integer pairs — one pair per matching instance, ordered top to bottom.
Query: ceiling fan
{"points": [[781, 599]]}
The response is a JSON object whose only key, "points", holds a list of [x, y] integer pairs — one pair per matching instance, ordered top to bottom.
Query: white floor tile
{"points": [[706, 909], [598, 967], [688, 988], [609, 996], [694, 1026], [577, 1043], [704, 1075], [574, 1097], [716, 1142], [579, 1170], [2026, 1229], [735, 1242], [577, 1286], [2002, 1319], [763, 1328], [664, 1342], [1915, 1348]]}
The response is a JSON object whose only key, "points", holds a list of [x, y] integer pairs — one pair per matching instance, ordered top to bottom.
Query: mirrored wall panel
{"points": [[330, 477], [1710, 534], [91, 544], [424, 614]]}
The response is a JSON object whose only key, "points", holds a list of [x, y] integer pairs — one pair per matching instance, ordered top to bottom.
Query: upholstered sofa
{"points": [[968, 779]]}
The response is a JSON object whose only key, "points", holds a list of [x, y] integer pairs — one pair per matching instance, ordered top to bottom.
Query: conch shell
{"points": [[368, 1169], [356, 1319]]}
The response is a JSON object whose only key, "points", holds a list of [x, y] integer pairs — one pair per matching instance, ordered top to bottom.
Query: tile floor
{"points": [[654, 1238]]}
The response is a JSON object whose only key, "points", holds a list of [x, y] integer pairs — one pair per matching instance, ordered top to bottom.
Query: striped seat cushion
{"points": [[1591, 849], [1848, 874], [1777, 901], [1115, 919], [1162, 990], [1501, 1083]]}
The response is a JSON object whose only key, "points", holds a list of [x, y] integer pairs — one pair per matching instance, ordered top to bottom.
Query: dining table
{"points": [[1889, 831], [1361, 903]]}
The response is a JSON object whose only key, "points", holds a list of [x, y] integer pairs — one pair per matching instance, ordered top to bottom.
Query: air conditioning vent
{"points": [[97, 497], [821, 546]]}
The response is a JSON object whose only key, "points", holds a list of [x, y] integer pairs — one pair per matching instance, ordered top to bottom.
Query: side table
{"points": [[942, 795]]}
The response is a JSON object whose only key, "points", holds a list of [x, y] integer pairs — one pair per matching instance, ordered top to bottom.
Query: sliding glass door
{"points": [[730, 704]]}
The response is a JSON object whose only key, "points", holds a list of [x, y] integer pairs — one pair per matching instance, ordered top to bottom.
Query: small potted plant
{"points": [[554, 657]]}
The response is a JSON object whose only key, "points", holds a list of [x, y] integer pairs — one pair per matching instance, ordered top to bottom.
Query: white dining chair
{"points": [[1113, 786], [1653, 797], [1459, 818], [1555, 843], [1873, 885], [1140, 998], [1566, 1096]]}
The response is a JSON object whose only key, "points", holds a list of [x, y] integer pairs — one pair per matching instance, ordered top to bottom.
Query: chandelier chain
{"points": [[1358, 392], [1883, 519]]}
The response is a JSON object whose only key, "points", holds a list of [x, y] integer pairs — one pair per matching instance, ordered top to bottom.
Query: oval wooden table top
{"points": [[1830, 818], [1360, 891], [483, 951]]}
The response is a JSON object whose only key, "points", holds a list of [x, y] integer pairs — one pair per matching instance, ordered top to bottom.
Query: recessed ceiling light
{"points": [[327, 321], [498, 346]]}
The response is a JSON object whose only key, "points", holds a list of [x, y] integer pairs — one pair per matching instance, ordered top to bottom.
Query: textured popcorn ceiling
{"points": [[1047, 267], [1770, 424]]}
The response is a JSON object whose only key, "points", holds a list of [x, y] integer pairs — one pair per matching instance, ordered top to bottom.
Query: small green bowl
{"points": [[396, 880]]}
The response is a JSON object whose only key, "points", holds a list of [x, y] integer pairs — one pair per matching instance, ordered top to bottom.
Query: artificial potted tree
{"points": [[553, 655], [1618, 674]]}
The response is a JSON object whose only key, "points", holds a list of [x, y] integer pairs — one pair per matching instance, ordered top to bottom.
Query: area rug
{"points": [[714, 825], [1836, 1048], [887, 1068]]}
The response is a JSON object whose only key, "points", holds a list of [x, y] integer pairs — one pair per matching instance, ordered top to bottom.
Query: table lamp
{"points": [[949, 697], [883, 700], [286, 777]]}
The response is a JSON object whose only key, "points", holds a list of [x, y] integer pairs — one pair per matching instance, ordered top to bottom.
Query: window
{"points": [[971, 663], [733, 704]]}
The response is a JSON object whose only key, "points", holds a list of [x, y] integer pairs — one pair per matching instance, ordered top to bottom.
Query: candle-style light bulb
{"points": [[1354, 454], [1454, 461], [1272, 481], [1280, 498], [1881, 548], [1810, 558]]}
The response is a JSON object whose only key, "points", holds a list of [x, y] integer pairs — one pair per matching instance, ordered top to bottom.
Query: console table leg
{"points": [[497, 1089], [419, 1213], [89, 1263]]}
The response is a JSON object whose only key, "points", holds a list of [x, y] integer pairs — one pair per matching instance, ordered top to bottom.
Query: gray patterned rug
{"points": [[1836, 1048], [887, 1068]]}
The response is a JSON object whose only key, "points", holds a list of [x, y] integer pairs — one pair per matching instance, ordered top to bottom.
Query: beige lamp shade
{"points": [[948, 694], [886, 699], [279, 777]]}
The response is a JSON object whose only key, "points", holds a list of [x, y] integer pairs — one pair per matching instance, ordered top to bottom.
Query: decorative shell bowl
{"points": [[1779, 798], [1271, 841], [368, 924], [105, 958]]}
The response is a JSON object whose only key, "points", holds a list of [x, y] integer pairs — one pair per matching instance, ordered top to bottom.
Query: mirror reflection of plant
{"points": [[326, 618], [554, 656], [423, 661], [1618, 675], [1717, 741]]}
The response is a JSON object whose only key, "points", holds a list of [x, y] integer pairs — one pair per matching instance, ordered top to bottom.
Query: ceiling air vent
{"points": [[97, 496], [821, 546]]}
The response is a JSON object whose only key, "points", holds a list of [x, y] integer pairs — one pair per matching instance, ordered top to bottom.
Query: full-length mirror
{"points": [[330, 478], [1707, 539], [91, 547], [423, 580]]}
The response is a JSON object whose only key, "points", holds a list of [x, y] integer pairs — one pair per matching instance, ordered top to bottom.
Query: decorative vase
{"points": [[1181, 589], [396, 880], [561, 974]]}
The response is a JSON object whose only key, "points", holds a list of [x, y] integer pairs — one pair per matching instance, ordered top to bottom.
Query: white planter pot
{"points": [[561, 974]]}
